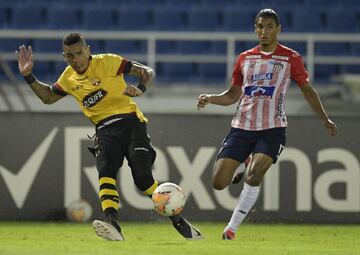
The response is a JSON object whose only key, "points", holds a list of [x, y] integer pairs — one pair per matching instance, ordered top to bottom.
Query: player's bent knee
{"points": [[254, 180], [143, 183], [219, 185]]}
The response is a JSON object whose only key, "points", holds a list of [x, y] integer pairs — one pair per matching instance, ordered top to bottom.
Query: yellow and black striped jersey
{"points": [[99, 90]]}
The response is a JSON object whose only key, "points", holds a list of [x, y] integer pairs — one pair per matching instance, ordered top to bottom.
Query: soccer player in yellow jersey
{"points": [[97, 84]]}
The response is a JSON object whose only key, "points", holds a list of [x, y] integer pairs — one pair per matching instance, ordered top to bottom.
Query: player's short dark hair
{"points": [[268, 13], [73, 38]]}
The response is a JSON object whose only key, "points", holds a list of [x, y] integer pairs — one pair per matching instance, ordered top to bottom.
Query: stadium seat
{"points": [[146, 3], [284, 3], [183, 4], [215, 4], [321, 4], [349, 5], [252, 6], [3, 17], [23, 18], [63, 18], [98, 19], [133, 19], [169, 19], [201, 19], [238, 20], [308, 21], [342, 22], [11, 45], [48, 46], [96, 46], [125, 46], [246, 46], [165, 47], [193, 47], [218, 47], [300, 47], [331, 49], [355, 49], [13, 65], [59, 67], [350, 69], [44, 70], [178, 72], [211, 73], [324, 73]]}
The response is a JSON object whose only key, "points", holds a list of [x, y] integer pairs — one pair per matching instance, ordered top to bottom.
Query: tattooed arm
{"points": [[26, 64], [144, 73]]}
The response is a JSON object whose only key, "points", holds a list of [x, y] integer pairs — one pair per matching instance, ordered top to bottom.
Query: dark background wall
{"points": [[44, 166]]}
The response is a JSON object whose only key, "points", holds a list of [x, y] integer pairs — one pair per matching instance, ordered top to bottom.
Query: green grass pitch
{"points": [[160, 238]]}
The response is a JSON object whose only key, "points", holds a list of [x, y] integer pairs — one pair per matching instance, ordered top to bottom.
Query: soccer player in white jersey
{"points": [[261, 77]]}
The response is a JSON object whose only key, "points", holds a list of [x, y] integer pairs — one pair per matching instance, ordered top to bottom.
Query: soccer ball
{"points": [[168, 199], [79, 211]]}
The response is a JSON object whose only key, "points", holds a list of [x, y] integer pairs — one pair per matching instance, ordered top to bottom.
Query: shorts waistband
{"points": [[109, 120]]}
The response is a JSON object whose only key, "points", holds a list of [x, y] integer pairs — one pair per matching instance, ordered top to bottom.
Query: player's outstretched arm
{"points": [[26, 64], [145, 74], [228, 97], [314, 101]]}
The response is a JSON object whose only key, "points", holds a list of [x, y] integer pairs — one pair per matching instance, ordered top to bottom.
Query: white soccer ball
{"points": [[168, 199], [79, 211]]}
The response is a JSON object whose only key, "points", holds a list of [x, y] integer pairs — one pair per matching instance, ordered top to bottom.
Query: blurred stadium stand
{"points": [[197, 58]]}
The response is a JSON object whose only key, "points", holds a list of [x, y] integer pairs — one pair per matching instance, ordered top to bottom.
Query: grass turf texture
{"points": [[160, 239]]}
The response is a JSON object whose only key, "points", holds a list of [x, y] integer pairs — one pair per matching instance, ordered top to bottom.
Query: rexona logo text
{"points": [[261, 77], [93, 98]]}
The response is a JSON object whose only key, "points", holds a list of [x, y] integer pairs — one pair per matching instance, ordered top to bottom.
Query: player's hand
{"points": [[25, 60], [132, 91], [203, 100], [331, 127]]}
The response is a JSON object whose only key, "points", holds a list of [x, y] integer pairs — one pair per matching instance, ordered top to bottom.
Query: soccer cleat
{"points": [[240, 171], [187, 230], [110, 231], [228, 235]]}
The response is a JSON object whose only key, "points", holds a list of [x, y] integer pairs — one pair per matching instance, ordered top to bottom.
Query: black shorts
{"points": [[121, 139], [239, 143]]}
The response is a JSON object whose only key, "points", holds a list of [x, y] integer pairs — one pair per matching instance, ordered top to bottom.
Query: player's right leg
{"points": [[235, 149], [108, 160], [224, 169], [240, 171]]}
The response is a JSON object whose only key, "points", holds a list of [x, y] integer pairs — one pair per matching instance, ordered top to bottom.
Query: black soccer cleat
{"points": [[240, 171], [237, 178], [187, 230], [110, 231]]}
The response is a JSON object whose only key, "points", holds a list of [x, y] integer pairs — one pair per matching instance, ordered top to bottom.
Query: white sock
{"points": [[247, 199]]}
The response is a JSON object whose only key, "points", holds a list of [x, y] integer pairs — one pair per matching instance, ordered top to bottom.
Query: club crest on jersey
{"points": [[278, 67], [95, 81], [260, 92], [93, 98]]}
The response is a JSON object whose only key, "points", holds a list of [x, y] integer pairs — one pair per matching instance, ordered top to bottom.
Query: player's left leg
{"points": [[141, 157], [259, 165]]}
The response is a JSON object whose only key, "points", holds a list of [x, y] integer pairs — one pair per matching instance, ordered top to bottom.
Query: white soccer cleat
{"points": [[107, 231]]}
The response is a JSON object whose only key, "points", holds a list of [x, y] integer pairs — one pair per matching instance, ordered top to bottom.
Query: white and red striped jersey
{"points": [[264, 80]]}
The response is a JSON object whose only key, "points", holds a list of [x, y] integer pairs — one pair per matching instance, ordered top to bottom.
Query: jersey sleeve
{"points": [[116, 64], [298, 72], [237, 76], [60, 87], [57, 89]]}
